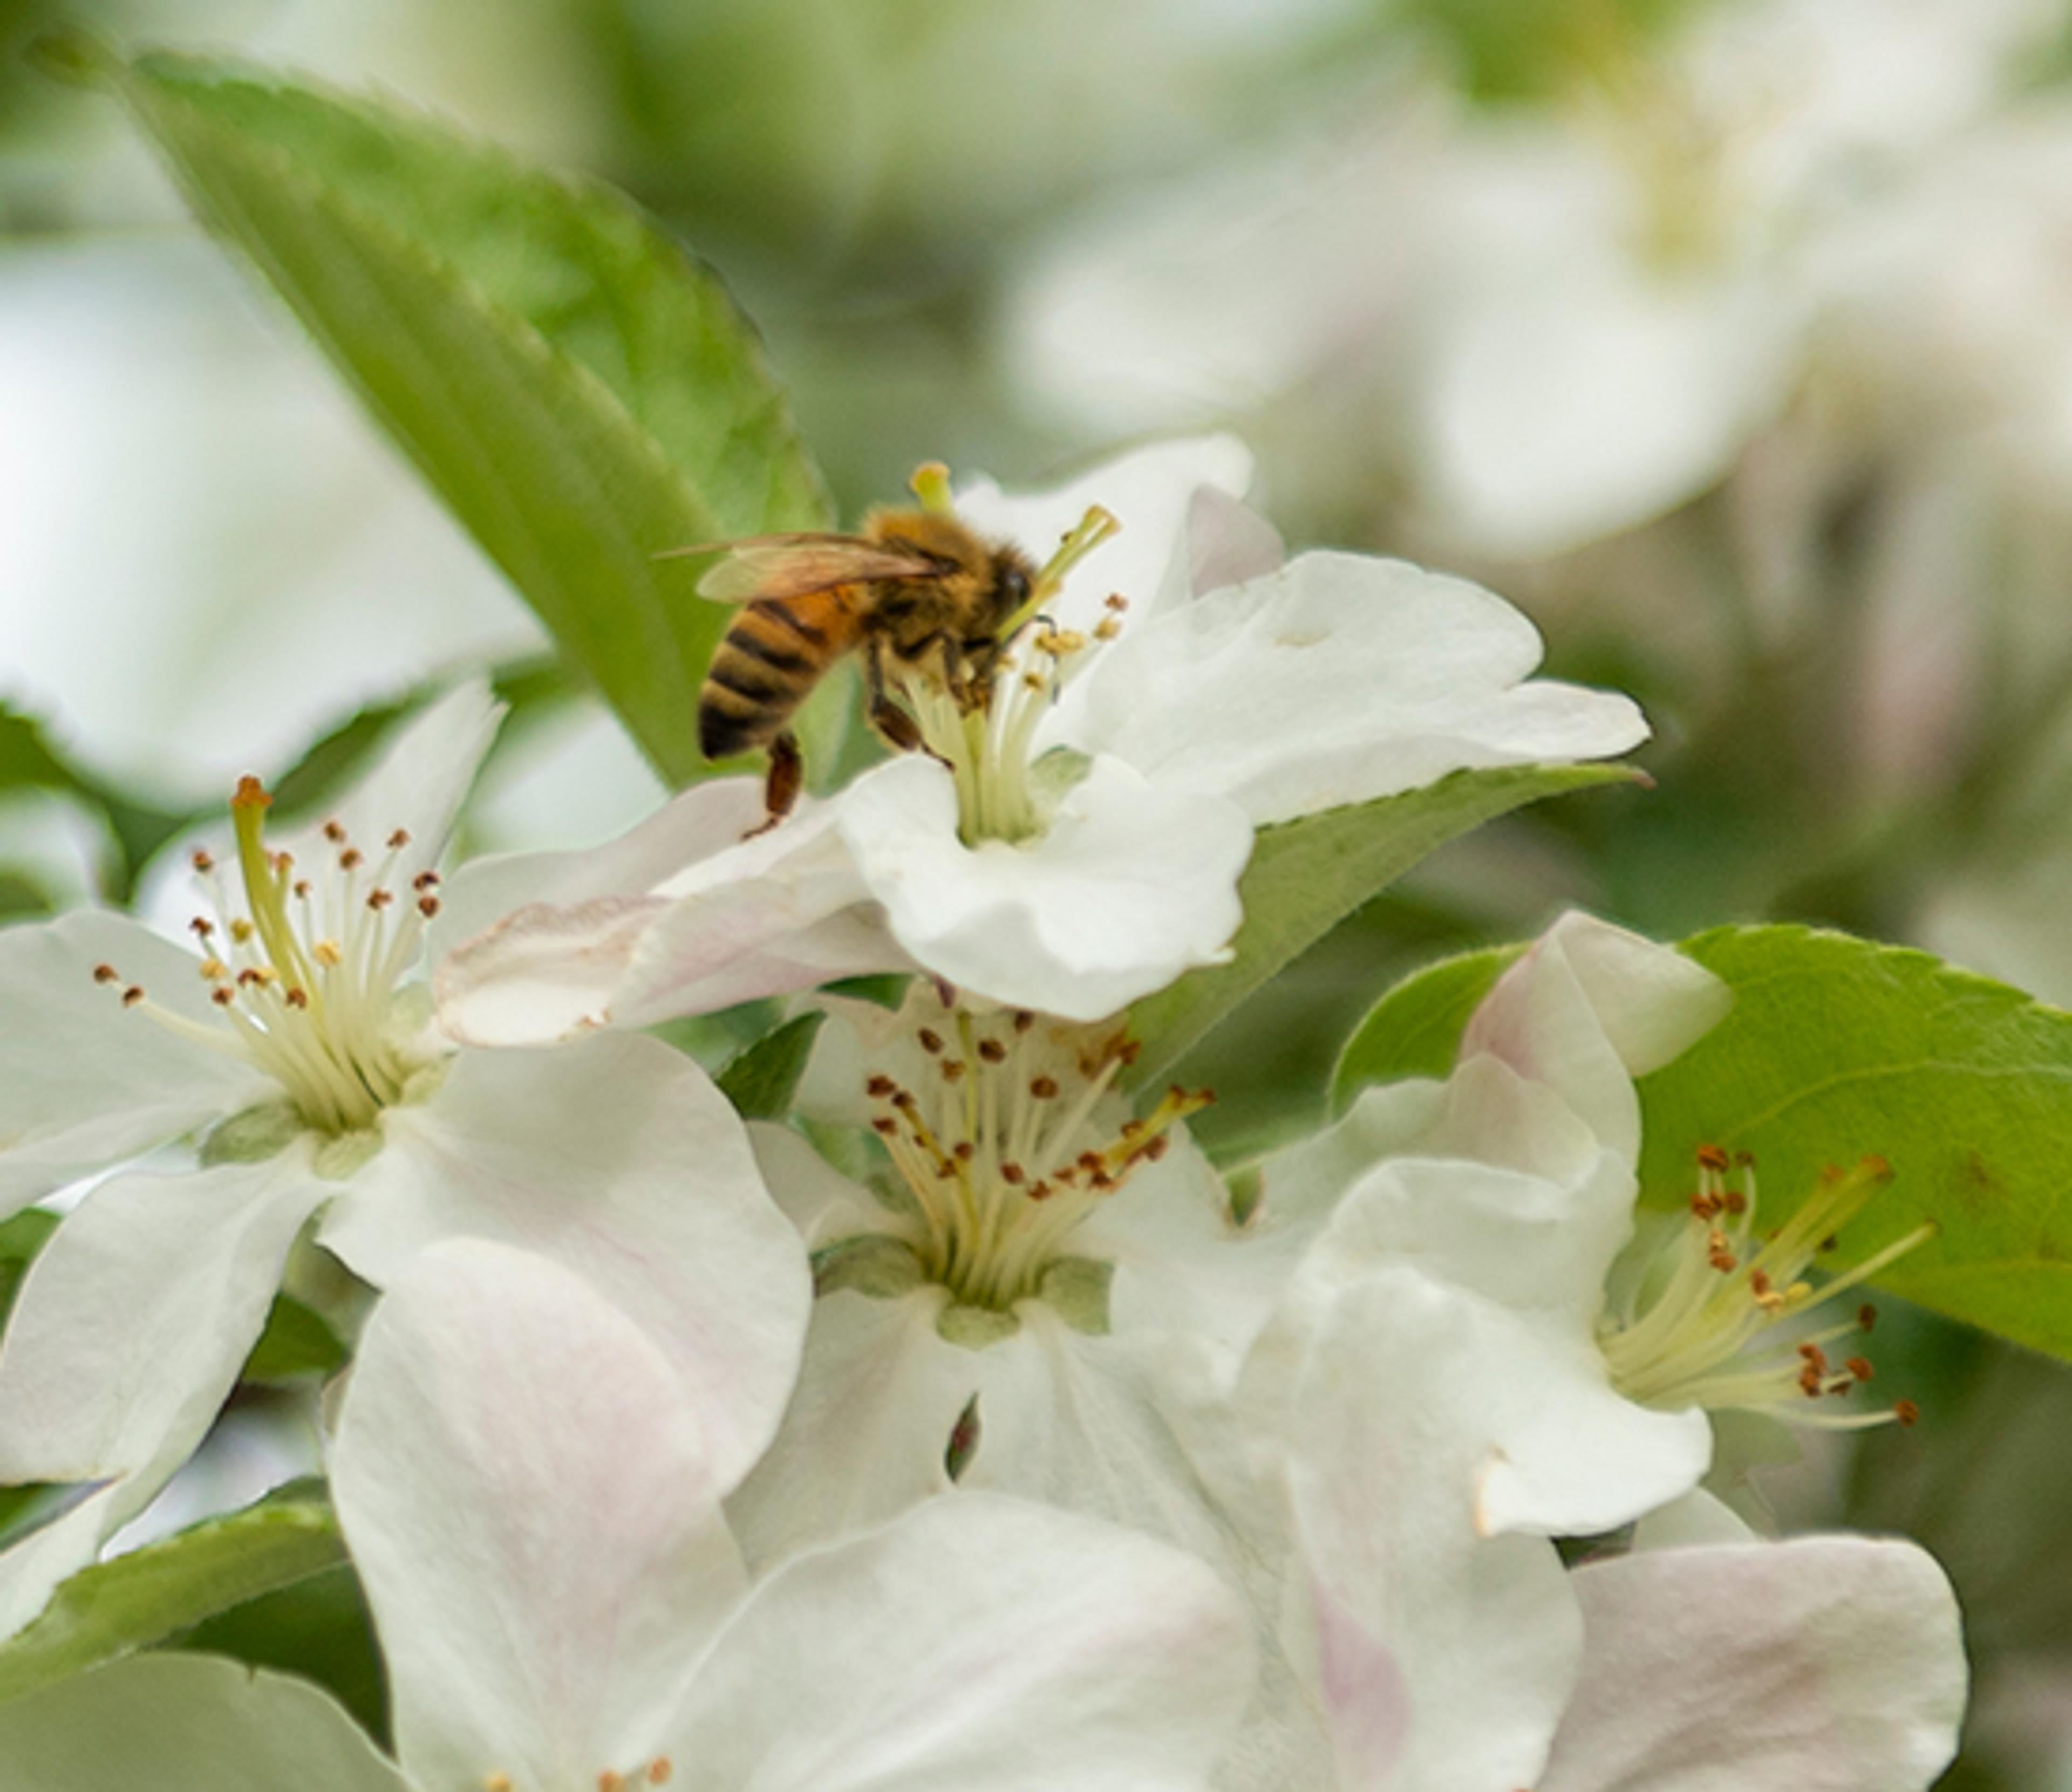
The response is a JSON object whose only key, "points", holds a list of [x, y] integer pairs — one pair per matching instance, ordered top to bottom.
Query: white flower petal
{"points": [[1578, 395], [1148, 491], [1339, 678], [418, 785], [1132, 884], [1589, 1007], [91, 1082], [619, 1159], [820, 1201], [131, 1324], [878, 1395], [529, 1492], [32, 1566], [977, 1643], [1443, 1656], [1828, 1664], [187, 1723]]}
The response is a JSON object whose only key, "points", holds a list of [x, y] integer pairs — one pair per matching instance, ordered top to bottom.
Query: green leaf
{"points": [[581, 393], [1306, 876], [1415, 1030], [1837, 1047], [761, 1079], [296, 1343], [114, 1608], [319, 1628]]}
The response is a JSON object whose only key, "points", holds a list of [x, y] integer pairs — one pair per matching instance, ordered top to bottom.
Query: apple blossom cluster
{"points": [[948, 1420]]}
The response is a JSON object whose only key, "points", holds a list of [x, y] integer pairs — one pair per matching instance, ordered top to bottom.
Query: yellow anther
{"points": [[327, 952]]}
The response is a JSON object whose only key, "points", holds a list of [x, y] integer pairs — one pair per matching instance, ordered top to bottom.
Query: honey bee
{"points": [[914, 588]]}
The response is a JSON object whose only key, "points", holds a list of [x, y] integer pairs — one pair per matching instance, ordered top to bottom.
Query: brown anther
{"points": [[1116, 601], [1107, 628], [1031, 681], [334, 831], [399, 839], [349, 858], [203, 860], [281, 862], [426, 880], [303, 889], [379, 899], [427, 906], [201, 927], [106, 973], [251, 975], [133, 995], [222, 995], [295, 998], [1023, 1020], [932, 1041], [992, 1050], [1128, 1052], [953, 1069], [878, 1087], [1044, 1088], [903, 1100], [885, 1126], [1132, 1128], [1156, 1148], [964, 1150], [1712, 1156], [1745, 1159], [1873, 1165], [1013, 1175], [1100, 1181], [1039, 1190], [1736, 1202], [1704, 1207], [1831, 1242], [1759, 1282], [1867, 1316], [1814, 1356], [1859, 1366], [1809, 1382], [1905, 1412], [659, 1770], [609, 1782]]}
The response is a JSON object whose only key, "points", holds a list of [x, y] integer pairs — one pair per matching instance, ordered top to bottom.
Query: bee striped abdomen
{"points": [[766, 665]]}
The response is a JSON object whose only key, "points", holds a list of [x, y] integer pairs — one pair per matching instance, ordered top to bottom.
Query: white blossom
{"points": [[297, 1049]]}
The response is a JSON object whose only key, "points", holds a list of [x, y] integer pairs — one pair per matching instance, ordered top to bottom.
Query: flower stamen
{"points": [[1694, 1333]]}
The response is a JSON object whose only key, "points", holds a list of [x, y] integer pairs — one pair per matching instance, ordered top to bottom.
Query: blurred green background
{"points": [[1732, 340]]}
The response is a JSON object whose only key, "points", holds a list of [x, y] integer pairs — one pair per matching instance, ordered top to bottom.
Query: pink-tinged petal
{"points": [[1150, 491], [1339, 678], [706, 819], [1129, 886], [784, 911], [1589, 1007], [86, 1081], [619, 1159], [820, 1202], [528, 1488], [979, 1642], [1443, 1656], [1826, 1664], [187, 1723]]}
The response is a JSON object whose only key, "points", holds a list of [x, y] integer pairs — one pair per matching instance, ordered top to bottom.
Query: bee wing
{"points": [[794, 566]]}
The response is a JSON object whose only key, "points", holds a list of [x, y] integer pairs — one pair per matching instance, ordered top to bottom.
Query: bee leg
{"points": [[886, 716], [780, 785]]}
